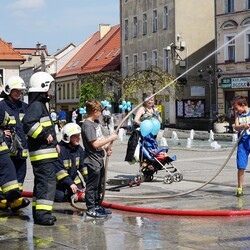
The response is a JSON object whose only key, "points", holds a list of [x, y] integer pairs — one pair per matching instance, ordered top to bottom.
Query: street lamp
{"points": [[218, 73]]}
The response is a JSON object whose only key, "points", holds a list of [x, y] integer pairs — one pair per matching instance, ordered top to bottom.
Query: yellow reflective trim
{"points": [[46, 124], [37, 132], [2, 148], [43, 157], [85, 171], [61, 176], [77, 181], [10, 187], [1, 189], [33, 203], [44, 207]]}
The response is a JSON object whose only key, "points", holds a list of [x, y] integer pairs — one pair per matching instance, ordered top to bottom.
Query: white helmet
{"points": [[14, 82], [40, 82], [70, 129]]}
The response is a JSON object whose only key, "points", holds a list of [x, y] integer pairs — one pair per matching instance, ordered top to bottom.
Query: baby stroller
{"points": [[153, 159]]}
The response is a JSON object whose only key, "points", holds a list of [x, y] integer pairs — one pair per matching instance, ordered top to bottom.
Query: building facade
{"points": [[175, 36], [233, 39]]}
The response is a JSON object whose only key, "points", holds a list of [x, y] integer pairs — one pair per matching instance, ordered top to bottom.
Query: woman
{"points": [[147, 111]]}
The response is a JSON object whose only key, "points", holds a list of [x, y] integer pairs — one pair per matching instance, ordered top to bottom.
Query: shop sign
{"points": [[235, 83]]}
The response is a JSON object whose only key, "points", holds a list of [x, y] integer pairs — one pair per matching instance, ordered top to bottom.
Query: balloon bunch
{"points": [[106, 103], [125, 106], [82, 111], [150, 126]]}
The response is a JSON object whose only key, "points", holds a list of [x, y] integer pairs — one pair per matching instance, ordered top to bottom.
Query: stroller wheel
{"points": [[140, 177], [177, 177], [149, 178], [168, 179]]}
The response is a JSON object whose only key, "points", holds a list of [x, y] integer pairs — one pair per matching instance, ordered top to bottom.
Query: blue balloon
{"points": [[123, 102], [120, 106], [129, 109], [81, 110], [156, 126], [146, 127]]}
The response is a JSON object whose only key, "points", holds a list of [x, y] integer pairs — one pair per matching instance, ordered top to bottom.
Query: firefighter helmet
{"points": [[14, 82], [40, 82], [70, 129]]}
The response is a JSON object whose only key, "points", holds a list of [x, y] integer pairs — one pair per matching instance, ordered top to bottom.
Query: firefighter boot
{"points": [[19, 203], [3, 204]]}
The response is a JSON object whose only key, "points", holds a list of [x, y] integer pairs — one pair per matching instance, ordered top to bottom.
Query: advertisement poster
{"points": [[191, 108]]}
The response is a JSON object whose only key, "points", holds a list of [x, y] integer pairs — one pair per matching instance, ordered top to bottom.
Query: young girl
{"points": [[95, 146]]}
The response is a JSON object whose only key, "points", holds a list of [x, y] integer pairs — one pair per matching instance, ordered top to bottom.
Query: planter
{"points": [[221, 127]]}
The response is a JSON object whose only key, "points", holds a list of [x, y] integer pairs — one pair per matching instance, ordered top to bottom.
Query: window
{"points": [[247, 3], [229, 6], [165, 18], [155, 21], [144, 24], [229, 25], [126, 29], [135, 30], [248, 46], [230, 49], [154, 58], [144, 60], [165, 60], [135, 63], [126, 66], [1, 77]]}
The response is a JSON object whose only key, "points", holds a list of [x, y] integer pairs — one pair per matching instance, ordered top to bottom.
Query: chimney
{"points": [[104, 29]]}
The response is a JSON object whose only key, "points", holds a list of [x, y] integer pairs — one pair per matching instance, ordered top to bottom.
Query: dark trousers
{"points": [[21, 169], [8, 179], [94, 185], [44, 188]]}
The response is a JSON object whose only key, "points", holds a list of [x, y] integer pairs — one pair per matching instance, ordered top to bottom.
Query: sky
{"points": [[54, 23]]}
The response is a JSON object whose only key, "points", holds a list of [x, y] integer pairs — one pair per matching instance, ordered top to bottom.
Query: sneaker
{"points": [[239, 192], [19, 203], [101, 209], [93, 213]]}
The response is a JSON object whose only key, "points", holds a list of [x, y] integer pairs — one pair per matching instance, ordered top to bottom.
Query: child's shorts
{"points": [[242, 154]]}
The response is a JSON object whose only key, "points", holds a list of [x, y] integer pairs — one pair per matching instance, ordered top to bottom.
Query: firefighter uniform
{"points": [[11, 115], [37, 125], [69, 170]]}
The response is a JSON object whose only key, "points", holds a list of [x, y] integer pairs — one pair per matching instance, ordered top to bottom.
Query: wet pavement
{"points": [[149, 230]]}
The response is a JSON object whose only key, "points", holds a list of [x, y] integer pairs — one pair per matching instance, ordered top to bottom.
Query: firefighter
{"points": [[13, 110], [42, 145], [70, 169], [12, 170]]}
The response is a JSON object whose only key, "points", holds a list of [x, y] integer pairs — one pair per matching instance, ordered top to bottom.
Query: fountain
{"points": [[192, 133], [174, 136], [211, 136], [235, 138], [189, 142]]}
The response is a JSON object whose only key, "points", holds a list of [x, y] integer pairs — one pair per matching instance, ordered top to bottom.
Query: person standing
{"points": [[12, 110], [147, 111], [74, 115], [61, 118], [242, 125], [13, 145], [42, 145], [95, 146]]}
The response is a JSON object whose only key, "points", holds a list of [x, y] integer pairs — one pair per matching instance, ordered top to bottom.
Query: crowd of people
{"points": [[65, 169]]}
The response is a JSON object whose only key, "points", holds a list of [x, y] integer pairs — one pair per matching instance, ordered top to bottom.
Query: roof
{"points": [[31, 51], [8, 53], [96, 55]]}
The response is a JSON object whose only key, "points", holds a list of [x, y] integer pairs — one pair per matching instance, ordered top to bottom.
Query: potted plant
{"points": [[221, 125]]}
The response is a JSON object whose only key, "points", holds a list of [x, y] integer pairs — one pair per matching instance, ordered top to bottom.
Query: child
{"points": [[242, 122], [95, 146], [70, 162]]}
